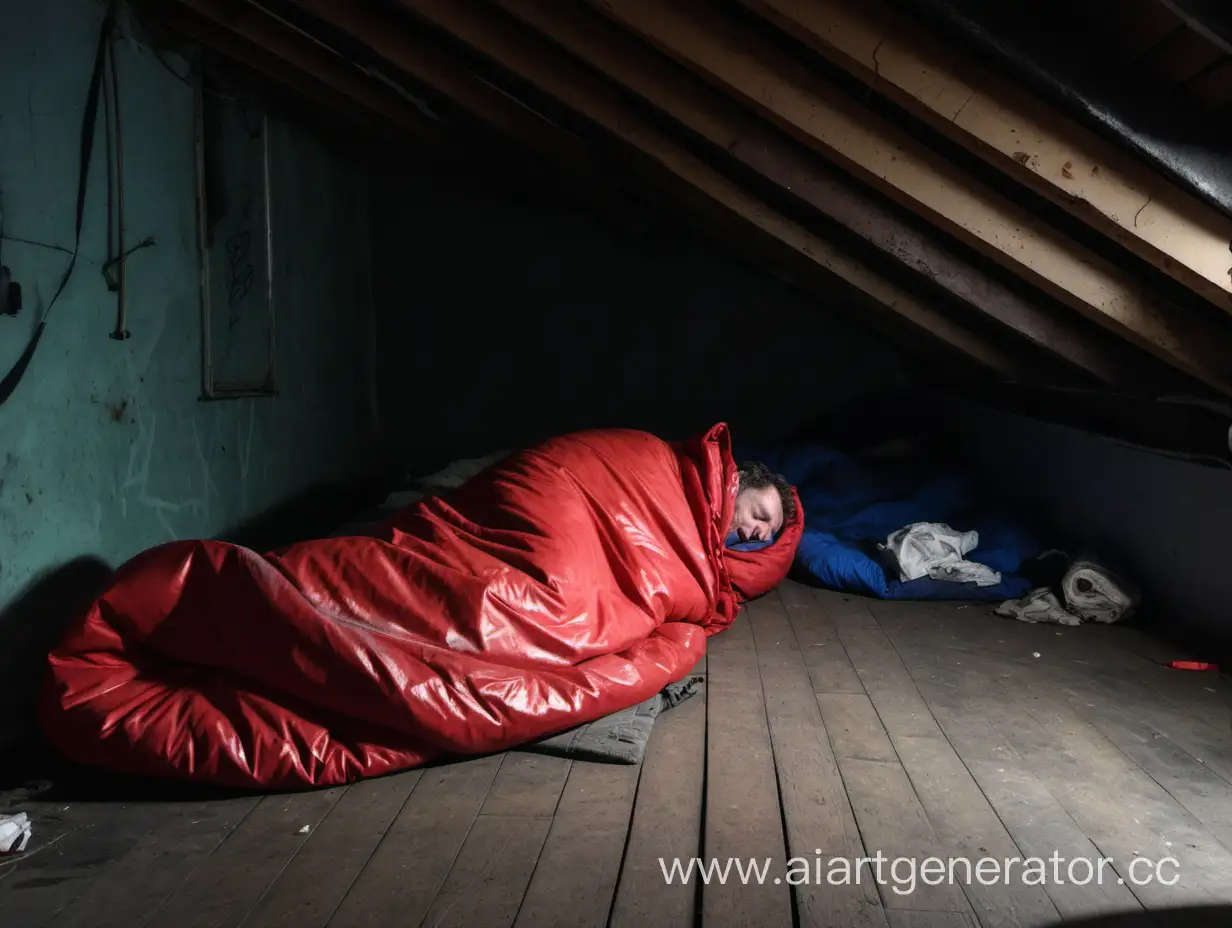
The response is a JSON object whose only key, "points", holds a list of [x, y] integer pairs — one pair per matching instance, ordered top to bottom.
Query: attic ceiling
{"points": [[873, 146]]}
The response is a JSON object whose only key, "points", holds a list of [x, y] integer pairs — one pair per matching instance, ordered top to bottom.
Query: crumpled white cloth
{"points": [[933, 549], [1090, 592], [1097, 593], [1041, 605], [15, 832]]}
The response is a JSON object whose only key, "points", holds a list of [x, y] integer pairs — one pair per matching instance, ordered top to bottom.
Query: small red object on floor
{"points": [[1192, 665]]}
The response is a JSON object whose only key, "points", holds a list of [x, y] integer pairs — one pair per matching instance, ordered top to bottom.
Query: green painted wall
{"points": [[106, 449]]}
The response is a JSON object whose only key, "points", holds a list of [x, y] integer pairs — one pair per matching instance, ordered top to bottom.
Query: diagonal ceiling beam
{"points": [[418, 57], [295, 62], [553, 73], [721, 122], [1021, 135], [890, 160]]}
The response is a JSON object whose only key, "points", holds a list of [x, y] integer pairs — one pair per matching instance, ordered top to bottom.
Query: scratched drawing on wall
{"points": [[233, 141]]}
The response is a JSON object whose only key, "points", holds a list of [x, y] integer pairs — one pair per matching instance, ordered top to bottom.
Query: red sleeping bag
{"points": [[568, 582]]}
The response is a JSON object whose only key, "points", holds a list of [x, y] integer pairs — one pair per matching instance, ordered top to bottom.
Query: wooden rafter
{"points": [[258, 41], [421, 59], [724, 124], [1022, 135], [886, 157], [702, 187]]}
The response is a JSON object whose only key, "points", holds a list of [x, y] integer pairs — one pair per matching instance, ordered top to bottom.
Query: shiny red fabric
{"points": [[755, 573], [570, 581]]}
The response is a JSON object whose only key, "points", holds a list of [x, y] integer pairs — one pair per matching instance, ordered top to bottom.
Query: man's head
{"points": [[764, 503]]}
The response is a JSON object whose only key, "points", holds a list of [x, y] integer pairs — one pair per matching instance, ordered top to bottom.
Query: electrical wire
{"points": [[89, 122]]}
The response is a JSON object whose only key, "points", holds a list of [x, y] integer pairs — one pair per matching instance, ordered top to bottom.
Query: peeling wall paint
{"points": [[105, 448]]}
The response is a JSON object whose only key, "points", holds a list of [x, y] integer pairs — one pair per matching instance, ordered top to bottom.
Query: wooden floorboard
{"points": [[827, 663], [829, 728], [1194, 782], [1117, 806], [743, 818], [666, 823], [820, 823], [965, 823], [1039, 825], [73, 847], [408, 868], [318, 878], [575, 878], [488, 881], [138, 883], [228, 883]]}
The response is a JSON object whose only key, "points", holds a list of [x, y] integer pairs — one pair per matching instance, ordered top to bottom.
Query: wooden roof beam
{"points": [[375, 26], [258, 41], [723, 123], [1021, 135], [887, 158], [693, 181]]}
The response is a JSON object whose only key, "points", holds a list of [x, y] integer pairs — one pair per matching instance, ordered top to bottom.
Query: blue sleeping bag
{"points": [[850, 506]]}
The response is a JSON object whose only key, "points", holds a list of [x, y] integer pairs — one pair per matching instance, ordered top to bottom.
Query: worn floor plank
{"points": [[843, 610], [828, 666], [1194, 783], [1120, 807], [1121, 811], [960, 814], [743, 818], [667, 823], [820, 823], [1039, 825], [74, 847], [408, 868], [575, 878], [317, 879], [488, 880], [140, 881], [225, 887], [902, 918]]}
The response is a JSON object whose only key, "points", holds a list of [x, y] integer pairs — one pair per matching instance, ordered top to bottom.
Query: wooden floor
{"points": [[831, 728]]}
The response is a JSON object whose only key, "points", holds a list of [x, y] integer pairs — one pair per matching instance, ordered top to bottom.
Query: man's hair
{"points": [[754, 475]]}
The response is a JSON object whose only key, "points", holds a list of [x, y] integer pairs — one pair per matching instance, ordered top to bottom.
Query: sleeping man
{"points": [[764, 504], [566, 582]]}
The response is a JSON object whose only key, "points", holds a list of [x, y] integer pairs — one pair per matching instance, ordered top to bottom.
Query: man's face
{"points": [[759, 514]]}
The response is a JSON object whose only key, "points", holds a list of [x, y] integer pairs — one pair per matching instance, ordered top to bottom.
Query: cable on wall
{"points": [[88, 125]]}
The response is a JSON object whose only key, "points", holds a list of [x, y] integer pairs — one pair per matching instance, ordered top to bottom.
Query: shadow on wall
{"points": [[507, 318], [1166, 520], [30, 626]]}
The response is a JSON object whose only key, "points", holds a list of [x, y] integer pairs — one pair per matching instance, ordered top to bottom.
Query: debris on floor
{"points": [[933, 549], [1090, 591], [1096, 593], [1040, 605], [15, 832]]}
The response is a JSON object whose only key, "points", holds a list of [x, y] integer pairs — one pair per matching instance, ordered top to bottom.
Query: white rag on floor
{"points": [[933, 549], [1092, 592], [1040, 605], [15, 831]]}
